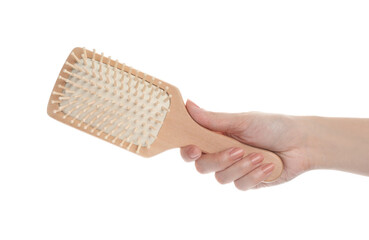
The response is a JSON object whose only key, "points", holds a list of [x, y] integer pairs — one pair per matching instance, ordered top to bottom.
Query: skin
{"points": [[303, 143]]}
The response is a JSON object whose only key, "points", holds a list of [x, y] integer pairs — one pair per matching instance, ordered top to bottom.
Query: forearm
{"points": [[337, 143]]}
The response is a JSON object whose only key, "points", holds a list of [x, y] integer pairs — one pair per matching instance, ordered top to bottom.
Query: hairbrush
{"points": [[132, 110]]}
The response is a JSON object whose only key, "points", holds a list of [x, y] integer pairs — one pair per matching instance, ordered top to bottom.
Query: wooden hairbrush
{"points": [[132, 110]]}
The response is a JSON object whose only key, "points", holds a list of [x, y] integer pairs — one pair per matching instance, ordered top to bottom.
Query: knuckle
{"points": [[222, 158], [246, 163]]}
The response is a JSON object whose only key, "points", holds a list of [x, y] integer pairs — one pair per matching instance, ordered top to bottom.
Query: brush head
{"points": [[110, 100]]}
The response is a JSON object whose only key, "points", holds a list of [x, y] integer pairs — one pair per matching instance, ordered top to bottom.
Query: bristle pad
{"points": [[104, 99]]}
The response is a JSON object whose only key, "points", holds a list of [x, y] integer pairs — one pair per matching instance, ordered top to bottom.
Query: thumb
{"points": [[219, 122]]}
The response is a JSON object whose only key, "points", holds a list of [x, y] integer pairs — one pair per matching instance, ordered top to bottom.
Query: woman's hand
{"points": [[278, 133], [303, 143]]}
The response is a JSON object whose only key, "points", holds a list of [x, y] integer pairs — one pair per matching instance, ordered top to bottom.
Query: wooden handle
{"points": [[179, 130]]}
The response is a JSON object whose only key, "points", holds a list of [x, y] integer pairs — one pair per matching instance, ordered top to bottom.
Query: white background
{"points": [[290, 57]]}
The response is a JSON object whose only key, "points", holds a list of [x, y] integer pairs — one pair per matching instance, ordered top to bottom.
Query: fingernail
{"points": [[193, 103], [193, 153], [236, 153], [256, 159], [268, 168]]}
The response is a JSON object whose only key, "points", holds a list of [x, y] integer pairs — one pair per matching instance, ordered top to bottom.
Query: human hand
{"points": [[278, 133]]}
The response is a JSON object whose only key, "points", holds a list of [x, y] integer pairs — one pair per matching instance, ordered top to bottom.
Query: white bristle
{"points": [[84, 55], [76, 58], [93, 60], [101, 63], [107, 72], [115, 73], [122, 73], [66, 89], [58, 93], [122, 143], [147, 144], [130, 145], [138, 147]]}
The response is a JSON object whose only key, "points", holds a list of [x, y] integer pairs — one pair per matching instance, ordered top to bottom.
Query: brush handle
{"points": [[179, 130], [211, 142]]}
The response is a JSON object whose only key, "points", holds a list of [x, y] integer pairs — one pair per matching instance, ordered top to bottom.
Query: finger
{"points": [[219, 122], [190, 153], [212, 162], [240, 168], [254, 177]]}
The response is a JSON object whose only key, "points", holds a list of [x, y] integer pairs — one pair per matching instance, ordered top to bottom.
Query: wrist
{"points": [[313, 141], [336, 143]]}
